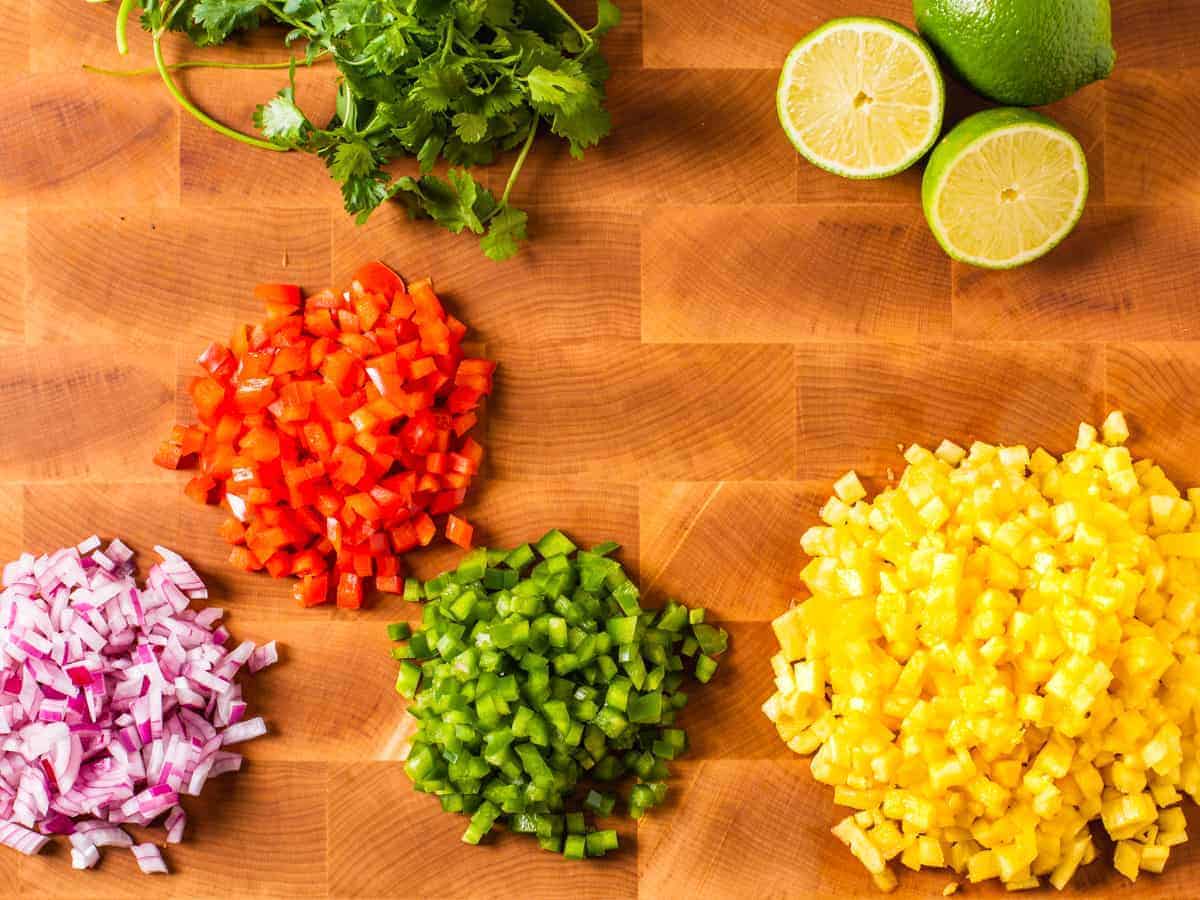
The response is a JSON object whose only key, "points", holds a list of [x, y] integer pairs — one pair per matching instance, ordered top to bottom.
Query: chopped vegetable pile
{"points": [[454, 80], [336, 428], [998, 650], [525, 685], [114, 700]]}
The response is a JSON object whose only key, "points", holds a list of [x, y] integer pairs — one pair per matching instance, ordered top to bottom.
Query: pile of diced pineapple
{"points": [[997, 650]]}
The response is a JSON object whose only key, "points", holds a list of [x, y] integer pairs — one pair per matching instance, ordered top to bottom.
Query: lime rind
{"points": [[862, 24], [982, 128]]}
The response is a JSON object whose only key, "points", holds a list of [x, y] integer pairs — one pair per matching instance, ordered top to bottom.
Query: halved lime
{"points": [[861, 97], [1004, 187]]}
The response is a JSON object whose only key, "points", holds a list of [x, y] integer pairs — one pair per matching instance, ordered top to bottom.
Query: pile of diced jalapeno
{"points": [[536, 668]]}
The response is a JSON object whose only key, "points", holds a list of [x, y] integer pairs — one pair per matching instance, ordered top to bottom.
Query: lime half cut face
{"points": [[861, 97], [1004, 188]]}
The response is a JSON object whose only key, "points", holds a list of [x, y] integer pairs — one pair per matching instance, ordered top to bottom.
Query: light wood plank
{"points": [[709, 34], [1156, 34], [118, 128], [1153, 130], [688, 156], [14, 271], [818, 272], [1128, 273], [115, 275], [578, 275], [1152, 384], [861, 405], [598, 411], [83, 413], [731, 547], [376, 820], [258, 833]]}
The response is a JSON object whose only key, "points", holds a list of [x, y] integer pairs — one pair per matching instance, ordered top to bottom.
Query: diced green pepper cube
{"points": [[555, 543], [606, 548], [519, 558], [413, 592], [696, 615], [623, 629], [399, 631], [713, 641], [706, 667], [408, 679], [599, 803], [481, 822], [576, 824], [601, 842], [575, 846]]}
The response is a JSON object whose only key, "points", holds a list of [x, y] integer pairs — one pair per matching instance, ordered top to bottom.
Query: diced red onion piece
{"points": [[266, 655], [114, 700], [244, 731], [149, 859]]}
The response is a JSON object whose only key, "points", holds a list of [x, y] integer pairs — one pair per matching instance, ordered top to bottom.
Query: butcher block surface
{"points": [[702, 335]]}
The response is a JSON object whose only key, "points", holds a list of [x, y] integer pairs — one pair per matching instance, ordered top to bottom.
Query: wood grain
{"points": [[134, 254], [894, 278], [703, 334]]}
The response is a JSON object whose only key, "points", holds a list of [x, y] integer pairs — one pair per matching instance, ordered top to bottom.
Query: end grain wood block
{"points": [[16, 16], [711, 34], [1151, 34], [63, 35], [623, 45], [683, 136], [1153, 138], [121, 149], [219, 171], [818, 272], [1127, 273], [115, 275], [578, 275], [13, 276], [1154, 385], [859, 406], [84, 413], [618, 413], [510, 513], [12, 516], [730, 546], [331, 697], [724, 718], [735, 827], [738, 828], [259, 833], [386, 839]]}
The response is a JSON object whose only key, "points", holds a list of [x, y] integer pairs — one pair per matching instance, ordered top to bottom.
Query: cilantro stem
{"points": [[123, 12], [283, 17], [583, 32], [194, 64], [195, 111], [516, 169]]}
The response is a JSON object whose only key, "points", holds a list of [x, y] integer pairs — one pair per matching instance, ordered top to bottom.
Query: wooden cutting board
{"points": [[704, 333]]}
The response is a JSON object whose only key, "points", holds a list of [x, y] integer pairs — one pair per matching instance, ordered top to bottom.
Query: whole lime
{"points": [[1021, 52]]}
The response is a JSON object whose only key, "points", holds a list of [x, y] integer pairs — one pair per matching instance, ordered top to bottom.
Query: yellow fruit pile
{"points": [[998, 650]]}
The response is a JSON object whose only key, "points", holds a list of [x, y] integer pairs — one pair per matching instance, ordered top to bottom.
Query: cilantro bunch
{"points": [[455, 80]]}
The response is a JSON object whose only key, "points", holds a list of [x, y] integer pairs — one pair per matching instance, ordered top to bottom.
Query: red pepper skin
{"points": [[335, 430], [459, 531]]}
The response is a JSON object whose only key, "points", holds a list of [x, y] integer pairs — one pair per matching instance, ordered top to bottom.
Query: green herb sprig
{"points": [[456, 80]]}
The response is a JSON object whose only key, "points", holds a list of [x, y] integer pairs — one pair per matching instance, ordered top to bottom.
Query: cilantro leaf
{"points": [[219, 19], [459, 81], [565, 89], [282, 121], [353, 159], [505, 233]]}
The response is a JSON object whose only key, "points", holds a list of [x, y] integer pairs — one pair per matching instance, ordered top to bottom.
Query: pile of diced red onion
{"points": [[115, 700]]}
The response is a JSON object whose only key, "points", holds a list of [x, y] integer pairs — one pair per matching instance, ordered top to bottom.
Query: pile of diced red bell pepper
{"points": [[335, 431]]}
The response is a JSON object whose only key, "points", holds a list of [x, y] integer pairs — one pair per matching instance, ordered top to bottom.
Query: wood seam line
{"points": [[683, 537]]}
